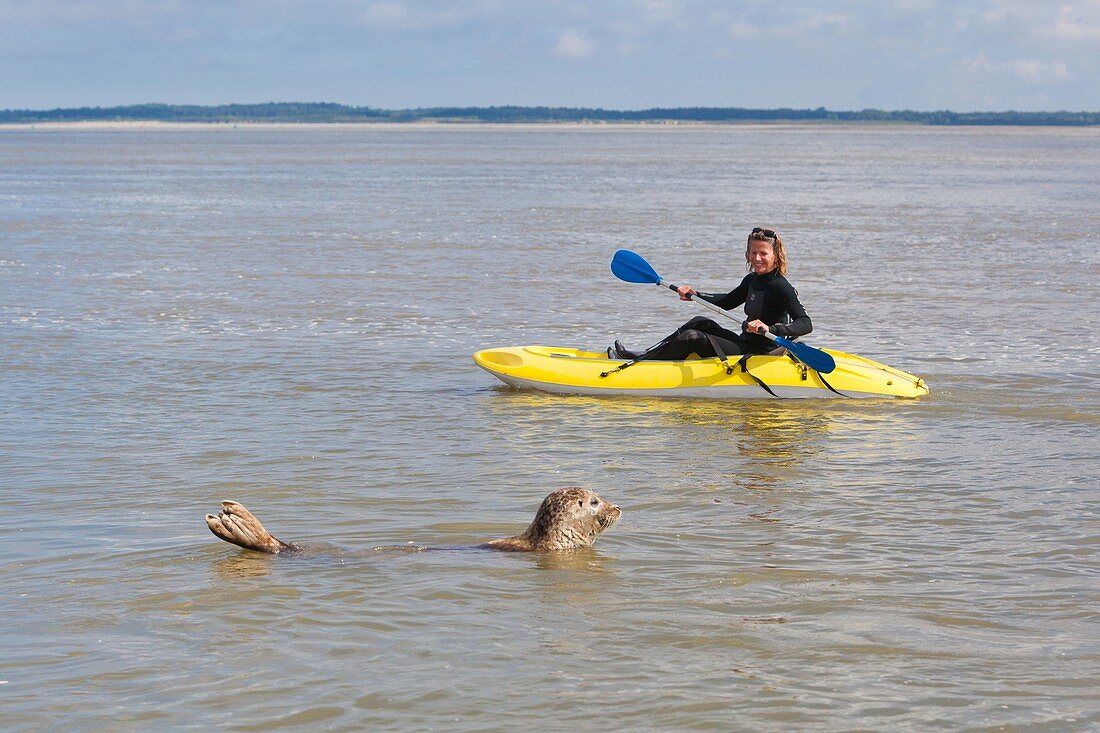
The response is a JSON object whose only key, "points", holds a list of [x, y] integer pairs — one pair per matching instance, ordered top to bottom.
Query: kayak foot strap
{"points": [[719, 353], [640, 357], [743, 362], [604, 375]]}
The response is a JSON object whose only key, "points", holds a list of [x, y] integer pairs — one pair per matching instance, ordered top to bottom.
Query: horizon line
{"points": [[574, 107], [337, 112]]}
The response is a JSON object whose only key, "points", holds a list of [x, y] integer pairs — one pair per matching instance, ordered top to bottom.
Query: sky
{"points": [[965, 55]]}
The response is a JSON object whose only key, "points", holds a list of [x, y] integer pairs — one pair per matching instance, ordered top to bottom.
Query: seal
{"points": [[567, 519]]}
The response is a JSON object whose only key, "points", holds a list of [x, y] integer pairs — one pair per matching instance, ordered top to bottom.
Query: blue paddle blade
{"points": [[633, 269], [816, 359]]}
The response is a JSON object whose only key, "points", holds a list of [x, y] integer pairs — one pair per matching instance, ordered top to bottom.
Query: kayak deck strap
{"points": [[743, 362], [831, 389]]}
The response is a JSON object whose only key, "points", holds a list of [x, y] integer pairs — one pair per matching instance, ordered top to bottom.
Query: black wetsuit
{"points": [[769, 298]]}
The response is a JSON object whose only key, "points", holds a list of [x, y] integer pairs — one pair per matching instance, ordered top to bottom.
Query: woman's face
{"points": [[761, 256]]}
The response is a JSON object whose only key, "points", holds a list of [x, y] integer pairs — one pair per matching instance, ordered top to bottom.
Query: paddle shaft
{"points": [[713, 307]]}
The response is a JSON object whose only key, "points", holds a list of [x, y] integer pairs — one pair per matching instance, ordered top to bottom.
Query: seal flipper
{"points": [[237, 525]]}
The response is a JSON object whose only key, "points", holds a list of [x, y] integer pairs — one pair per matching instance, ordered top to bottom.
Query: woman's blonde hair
{"points": [[760, 234]]}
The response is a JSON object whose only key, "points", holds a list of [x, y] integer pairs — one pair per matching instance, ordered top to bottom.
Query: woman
{"points": [[771, 304]]}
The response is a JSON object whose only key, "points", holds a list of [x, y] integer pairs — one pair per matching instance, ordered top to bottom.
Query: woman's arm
{"points": [[732, 299], [800, 324]]}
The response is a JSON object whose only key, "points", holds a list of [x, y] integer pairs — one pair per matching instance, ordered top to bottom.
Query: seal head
{"points": [[568, 519]]}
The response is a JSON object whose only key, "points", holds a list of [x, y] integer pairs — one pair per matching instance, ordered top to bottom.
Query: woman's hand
{"points": [[686, 291], [756, 327]]}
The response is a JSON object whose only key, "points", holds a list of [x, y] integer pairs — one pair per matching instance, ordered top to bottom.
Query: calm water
{"points": [[286, 316]]}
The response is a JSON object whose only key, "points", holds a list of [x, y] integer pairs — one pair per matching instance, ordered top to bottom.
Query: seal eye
{"points": [[595, 502]]}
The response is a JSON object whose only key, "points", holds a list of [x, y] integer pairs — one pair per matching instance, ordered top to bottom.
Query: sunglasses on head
{"points": [[769, 233]]}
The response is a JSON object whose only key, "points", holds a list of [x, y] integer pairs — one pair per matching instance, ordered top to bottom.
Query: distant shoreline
{"points": [[337, 114], [155, 126]]}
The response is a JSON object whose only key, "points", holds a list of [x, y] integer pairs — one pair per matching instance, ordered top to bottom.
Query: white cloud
{"points": [[915, 6], [75, 12], [386, 14], [661, 14], [419, 16], [1041, 22], [814, 26], [1070, 26], [742, 31], [572, 45], [1032, 71], [1035, 71]]}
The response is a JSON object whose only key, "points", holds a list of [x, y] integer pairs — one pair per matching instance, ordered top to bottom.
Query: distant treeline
{"points": [[328, 112]]}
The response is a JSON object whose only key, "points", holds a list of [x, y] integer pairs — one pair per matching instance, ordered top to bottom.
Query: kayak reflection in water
{"points": [[771, 305]]}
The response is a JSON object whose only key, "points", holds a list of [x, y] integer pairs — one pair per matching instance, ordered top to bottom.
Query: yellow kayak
{"points": [[563, 370]]}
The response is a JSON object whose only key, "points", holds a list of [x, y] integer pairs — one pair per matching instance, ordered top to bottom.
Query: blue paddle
{"points": [[632, 268]]}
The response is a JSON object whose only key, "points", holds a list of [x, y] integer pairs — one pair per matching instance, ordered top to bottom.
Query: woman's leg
{"points": [[694, 337]]}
